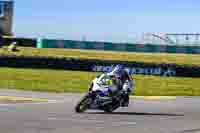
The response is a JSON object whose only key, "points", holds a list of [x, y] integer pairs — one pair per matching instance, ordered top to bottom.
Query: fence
{"points": [[47, 43]]}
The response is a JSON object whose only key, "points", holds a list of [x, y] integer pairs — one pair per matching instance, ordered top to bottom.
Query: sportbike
{"points": [[102, 95]]}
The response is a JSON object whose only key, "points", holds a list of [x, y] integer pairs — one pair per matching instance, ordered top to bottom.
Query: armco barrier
{"points": [[48, 43], [98, 65]]}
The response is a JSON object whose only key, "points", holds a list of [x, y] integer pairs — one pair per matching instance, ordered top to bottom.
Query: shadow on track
{"points": [[136, 113], [191, 131]]}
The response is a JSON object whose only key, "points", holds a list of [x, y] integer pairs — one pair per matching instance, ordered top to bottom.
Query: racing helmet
{"points": [[117, 71], [128, 71]]}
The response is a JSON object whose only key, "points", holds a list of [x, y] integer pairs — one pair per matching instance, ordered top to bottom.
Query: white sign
{"points": [[138, 70]]}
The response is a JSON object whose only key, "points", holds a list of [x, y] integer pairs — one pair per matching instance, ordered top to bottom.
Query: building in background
{"points": [[6, 17], [179, 39]]}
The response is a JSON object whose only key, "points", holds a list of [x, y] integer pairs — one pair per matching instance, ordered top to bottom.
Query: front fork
{"points": [[90, 87]]}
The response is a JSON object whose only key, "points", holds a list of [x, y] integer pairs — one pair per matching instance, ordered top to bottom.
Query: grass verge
{"points": [[181, 59], [75, 81]]}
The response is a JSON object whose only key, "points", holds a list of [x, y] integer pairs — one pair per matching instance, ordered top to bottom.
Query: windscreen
{"points": [[105, 80]]}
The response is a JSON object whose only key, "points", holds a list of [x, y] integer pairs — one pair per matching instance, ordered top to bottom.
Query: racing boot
{"points": [[125, 100]]}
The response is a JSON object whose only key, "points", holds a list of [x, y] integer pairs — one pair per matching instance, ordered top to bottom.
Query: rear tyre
{"points": [[82, 105], [111, 108], [108, 110]]}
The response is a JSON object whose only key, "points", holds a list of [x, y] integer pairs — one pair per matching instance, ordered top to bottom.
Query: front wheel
{"points": [[82, 105]]}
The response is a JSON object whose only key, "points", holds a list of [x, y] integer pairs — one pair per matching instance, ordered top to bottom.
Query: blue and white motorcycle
{"points": [[102, 95]]}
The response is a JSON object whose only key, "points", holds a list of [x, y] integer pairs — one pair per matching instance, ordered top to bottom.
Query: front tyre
{"points": [[83, 104]]}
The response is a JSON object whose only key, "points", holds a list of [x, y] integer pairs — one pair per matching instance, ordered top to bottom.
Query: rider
{"points": [[124, 82]]}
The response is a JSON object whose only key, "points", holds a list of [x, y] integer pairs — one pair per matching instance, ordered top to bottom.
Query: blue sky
{"points": [[104, 20]]}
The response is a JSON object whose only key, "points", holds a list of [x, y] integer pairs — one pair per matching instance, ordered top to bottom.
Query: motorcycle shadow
{"points": [[137, 113]]}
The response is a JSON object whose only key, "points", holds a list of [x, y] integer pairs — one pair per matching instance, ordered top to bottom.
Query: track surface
{"points": [[143, 116]]}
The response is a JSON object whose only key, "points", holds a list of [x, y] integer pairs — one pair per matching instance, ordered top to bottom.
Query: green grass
{"points": [[186, 59], [68, 81]]}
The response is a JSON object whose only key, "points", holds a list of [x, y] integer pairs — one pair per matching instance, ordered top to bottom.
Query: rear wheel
{"points": [[82, 105], [111, 108], [108, 110]]}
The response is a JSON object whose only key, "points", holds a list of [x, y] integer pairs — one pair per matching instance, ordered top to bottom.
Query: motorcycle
{"points": [[102, 95]]}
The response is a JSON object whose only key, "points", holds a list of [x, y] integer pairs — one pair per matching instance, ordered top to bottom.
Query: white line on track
{"points": [[31, 103], [120, 123]]}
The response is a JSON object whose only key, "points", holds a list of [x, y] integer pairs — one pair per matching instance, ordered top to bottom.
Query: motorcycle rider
{"points": [[124, 81]]}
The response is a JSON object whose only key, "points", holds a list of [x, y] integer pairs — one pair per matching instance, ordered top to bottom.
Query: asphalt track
{"points": [[180, 115]]}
